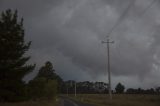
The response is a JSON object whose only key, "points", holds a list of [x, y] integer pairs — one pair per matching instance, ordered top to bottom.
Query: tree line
{"points": [[87, 87], [120, 88]]}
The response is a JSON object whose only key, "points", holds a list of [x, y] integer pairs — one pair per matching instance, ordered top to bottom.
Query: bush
{"points": [[40, 88]]}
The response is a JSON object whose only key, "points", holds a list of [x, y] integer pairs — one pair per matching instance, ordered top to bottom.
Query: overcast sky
{"points": [[69, 33]]}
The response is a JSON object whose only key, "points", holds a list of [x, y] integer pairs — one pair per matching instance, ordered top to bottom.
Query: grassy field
{"points": [[119, 100], [32, 103]]}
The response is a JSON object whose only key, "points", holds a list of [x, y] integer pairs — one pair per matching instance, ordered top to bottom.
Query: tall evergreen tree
{"points": [[12, 60], [47, 71]]}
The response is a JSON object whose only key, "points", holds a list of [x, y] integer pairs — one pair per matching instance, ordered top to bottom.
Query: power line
{"points": [[148, 7], [124, 14], [121, 17], [112, 29], [108, 42]]}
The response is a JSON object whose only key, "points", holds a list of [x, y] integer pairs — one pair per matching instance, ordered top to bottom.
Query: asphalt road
{"points": [[67, 102]]}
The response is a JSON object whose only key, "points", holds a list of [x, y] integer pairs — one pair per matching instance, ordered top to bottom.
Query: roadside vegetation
{"points": [[14, 91], [121, 97], [118, 99], [33, 103]]}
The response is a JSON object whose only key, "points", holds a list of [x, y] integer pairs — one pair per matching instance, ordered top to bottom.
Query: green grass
{"points": [[119, 99], [33, 103]]}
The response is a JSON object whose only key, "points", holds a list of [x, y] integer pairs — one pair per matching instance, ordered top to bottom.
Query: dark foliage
{"points": [[12, 59], [48, 72], [45, 84], [85, 87], [41, 88], [119, 88], [142, 91]]}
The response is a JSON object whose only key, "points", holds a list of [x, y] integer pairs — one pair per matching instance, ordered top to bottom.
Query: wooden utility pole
{"points": [[109, 74]]}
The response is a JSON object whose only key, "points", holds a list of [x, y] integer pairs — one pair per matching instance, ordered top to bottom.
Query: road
{"points": [[67, 102]]}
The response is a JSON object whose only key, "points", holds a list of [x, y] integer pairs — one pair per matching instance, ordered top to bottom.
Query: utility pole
{"points": [[109, 74], [75, 89], [67, 90]]}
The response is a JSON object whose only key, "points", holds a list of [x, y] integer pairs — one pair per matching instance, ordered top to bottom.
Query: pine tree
{"points": [[12, 60], [47, 71]]}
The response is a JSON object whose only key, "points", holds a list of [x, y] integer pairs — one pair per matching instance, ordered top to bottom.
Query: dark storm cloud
{"points": [[69, 33]]}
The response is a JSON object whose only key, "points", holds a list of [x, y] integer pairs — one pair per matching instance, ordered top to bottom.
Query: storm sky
{"points": [[69, 33]]}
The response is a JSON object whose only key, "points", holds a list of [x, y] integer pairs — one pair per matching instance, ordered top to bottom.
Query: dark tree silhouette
{"points": [[12, 60], [47, 71], [44, 85], [85, 87], [119, 88], [141, 91]]}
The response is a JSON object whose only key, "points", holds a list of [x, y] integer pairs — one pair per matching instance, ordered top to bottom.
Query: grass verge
{"points": [[118, 99], [34, 103]]}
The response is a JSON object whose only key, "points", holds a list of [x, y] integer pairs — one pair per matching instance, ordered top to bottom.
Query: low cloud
{"points": [[69, 33]]}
